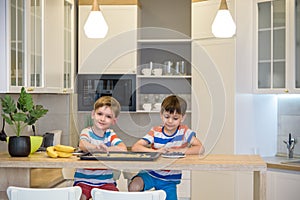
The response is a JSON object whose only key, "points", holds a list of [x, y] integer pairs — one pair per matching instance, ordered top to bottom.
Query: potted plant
{"points": [[20, 115]]}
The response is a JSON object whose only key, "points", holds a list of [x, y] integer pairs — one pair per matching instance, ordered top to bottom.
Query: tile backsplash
{"points": [[288, 122]]}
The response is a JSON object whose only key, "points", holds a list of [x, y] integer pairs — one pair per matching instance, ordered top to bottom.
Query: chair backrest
{"points": [[65, 193], [99, 194]]}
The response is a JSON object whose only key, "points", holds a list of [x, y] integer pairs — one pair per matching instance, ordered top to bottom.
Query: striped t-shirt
{"points": [[158, 139], [96, 177]]}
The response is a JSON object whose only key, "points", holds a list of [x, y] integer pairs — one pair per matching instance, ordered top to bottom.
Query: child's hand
{"points": [[102, 147], [162, 150]]}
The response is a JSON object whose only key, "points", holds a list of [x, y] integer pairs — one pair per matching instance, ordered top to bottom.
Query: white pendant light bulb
{"points": [[223, 25], [95, 26]]}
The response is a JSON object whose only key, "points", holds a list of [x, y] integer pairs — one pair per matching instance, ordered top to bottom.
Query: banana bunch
{"points": [[61, 151]]}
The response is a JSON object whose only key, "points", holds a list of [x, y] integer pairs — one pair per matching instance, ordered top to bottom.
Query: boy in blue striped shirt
{"points": [[171, 136], [99, 137]]}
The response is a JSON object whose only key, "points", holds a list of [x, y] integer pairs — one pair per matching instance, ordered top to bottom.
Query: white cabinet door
{"points": [[54, 45], [18, 51], [116, 53], [275, 54], [4, 75], [213, 93], [213, 98], [283, 185]]}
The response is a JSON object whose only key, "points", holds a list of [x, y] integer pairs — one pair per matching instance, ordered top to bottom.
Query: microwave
{"points": [[122, 87]]}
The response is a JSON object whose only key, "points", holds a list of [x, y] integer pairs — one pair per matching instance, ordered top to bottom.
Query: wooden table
{"points": [[16, 171]]}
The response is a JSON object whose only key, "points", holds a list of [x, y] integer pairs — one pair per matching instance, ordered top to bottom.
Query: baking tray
{"points": [[121, 156]]}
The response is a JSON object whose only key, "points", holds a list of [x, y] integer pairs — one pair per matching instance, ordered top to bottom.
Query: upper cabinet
{"points": [[277, 35], [272, 42], [35, 45], [116, 53]]}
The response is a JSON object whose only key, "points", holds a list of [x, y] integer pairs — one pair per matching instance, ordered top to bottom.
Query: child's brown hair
{"points": [[110, 102], [174, 104]]}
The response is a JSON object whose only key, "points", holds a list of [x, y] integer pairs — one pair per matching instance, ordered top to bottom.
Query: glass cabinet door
{"points": [[17, 42], [26, 43], [68, 43], [297, 43], [271, 45], [36, 65]]}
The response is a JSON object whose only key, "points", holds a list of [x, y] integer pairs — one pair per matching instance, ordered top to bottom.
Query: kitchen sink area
{"points": [[292, 161], [282, 162]]}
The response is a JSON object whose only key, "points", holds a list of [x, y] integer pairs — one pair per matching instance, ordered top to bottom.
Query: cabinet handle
{"points": [[30, 89]]}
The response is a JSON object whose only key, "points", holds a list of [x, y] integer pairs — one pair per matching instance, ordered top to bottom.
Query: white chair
{"points": [[65, 193], [99, 194]]}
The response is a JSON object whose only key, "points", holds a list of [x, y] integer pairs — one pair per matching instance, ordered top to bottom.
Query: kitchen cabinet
{"points": [[69, 45], [59, 46], [276, 47], [116, 53], [164, 53], [19, 54], [33, 56], [213, 103], [283, 184]]}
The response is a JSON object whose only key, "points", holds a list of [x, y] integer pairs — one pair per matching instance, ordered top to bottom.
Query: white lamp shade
{"points": [[223, 25], [95, 26]]}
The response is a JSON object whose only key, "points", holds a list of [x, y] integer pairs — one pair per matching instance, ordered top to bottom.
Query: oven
{"points": [[122, 87]]}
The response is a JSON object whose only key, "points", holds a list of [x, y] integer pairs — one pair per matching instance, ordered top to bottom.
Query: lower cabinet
{"points": [[283, 184]]}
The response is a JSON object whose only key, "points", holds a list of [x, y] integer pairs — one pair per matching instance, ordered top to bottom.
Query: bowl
{"points": [[36, 142]]}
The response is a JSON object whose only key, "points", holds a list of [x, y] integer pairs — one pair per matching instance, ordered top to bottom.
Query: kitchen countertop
{"points": [[190, 162], [275, 162], [16, 170]]}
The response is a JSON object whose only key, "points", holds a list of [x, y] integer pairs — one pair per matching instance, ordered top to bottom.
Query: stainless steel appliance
{"points": [[122, 87]]}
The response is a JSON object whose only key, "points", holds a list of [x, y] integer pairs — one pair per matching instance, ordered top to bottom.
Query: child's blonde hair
{"points": [[110, 102]]}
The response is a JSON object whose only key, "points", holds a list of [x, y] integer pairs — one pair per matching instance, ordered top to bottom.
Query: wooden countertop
{"points": [[190, 162], [275, 162], [16, 170]]}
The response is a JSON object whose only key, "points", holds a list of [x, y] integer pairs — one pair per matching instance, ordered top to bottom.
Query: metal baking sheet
{"points": [[121, 156]]}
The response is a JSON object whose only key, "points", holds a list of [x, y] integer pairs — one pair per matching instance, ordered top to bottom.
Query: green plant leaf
{"points": [[25, 102], [8, 104], [37, 112], [19, 117]]}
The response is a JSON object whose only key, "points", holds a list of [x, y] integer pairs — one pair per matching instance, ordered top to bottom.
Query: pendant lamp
{"points": [[223, 25], [95, 26]]}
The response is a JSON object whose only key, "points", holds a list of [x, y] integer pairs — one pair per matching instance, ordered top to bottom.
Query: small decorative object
{"points": [[19, 116]]}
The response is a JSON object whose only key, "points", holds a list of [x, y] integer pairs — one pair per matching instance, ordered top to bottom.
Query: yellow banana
{"points": [[64, 148], [51, 152], [63, 154]]}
